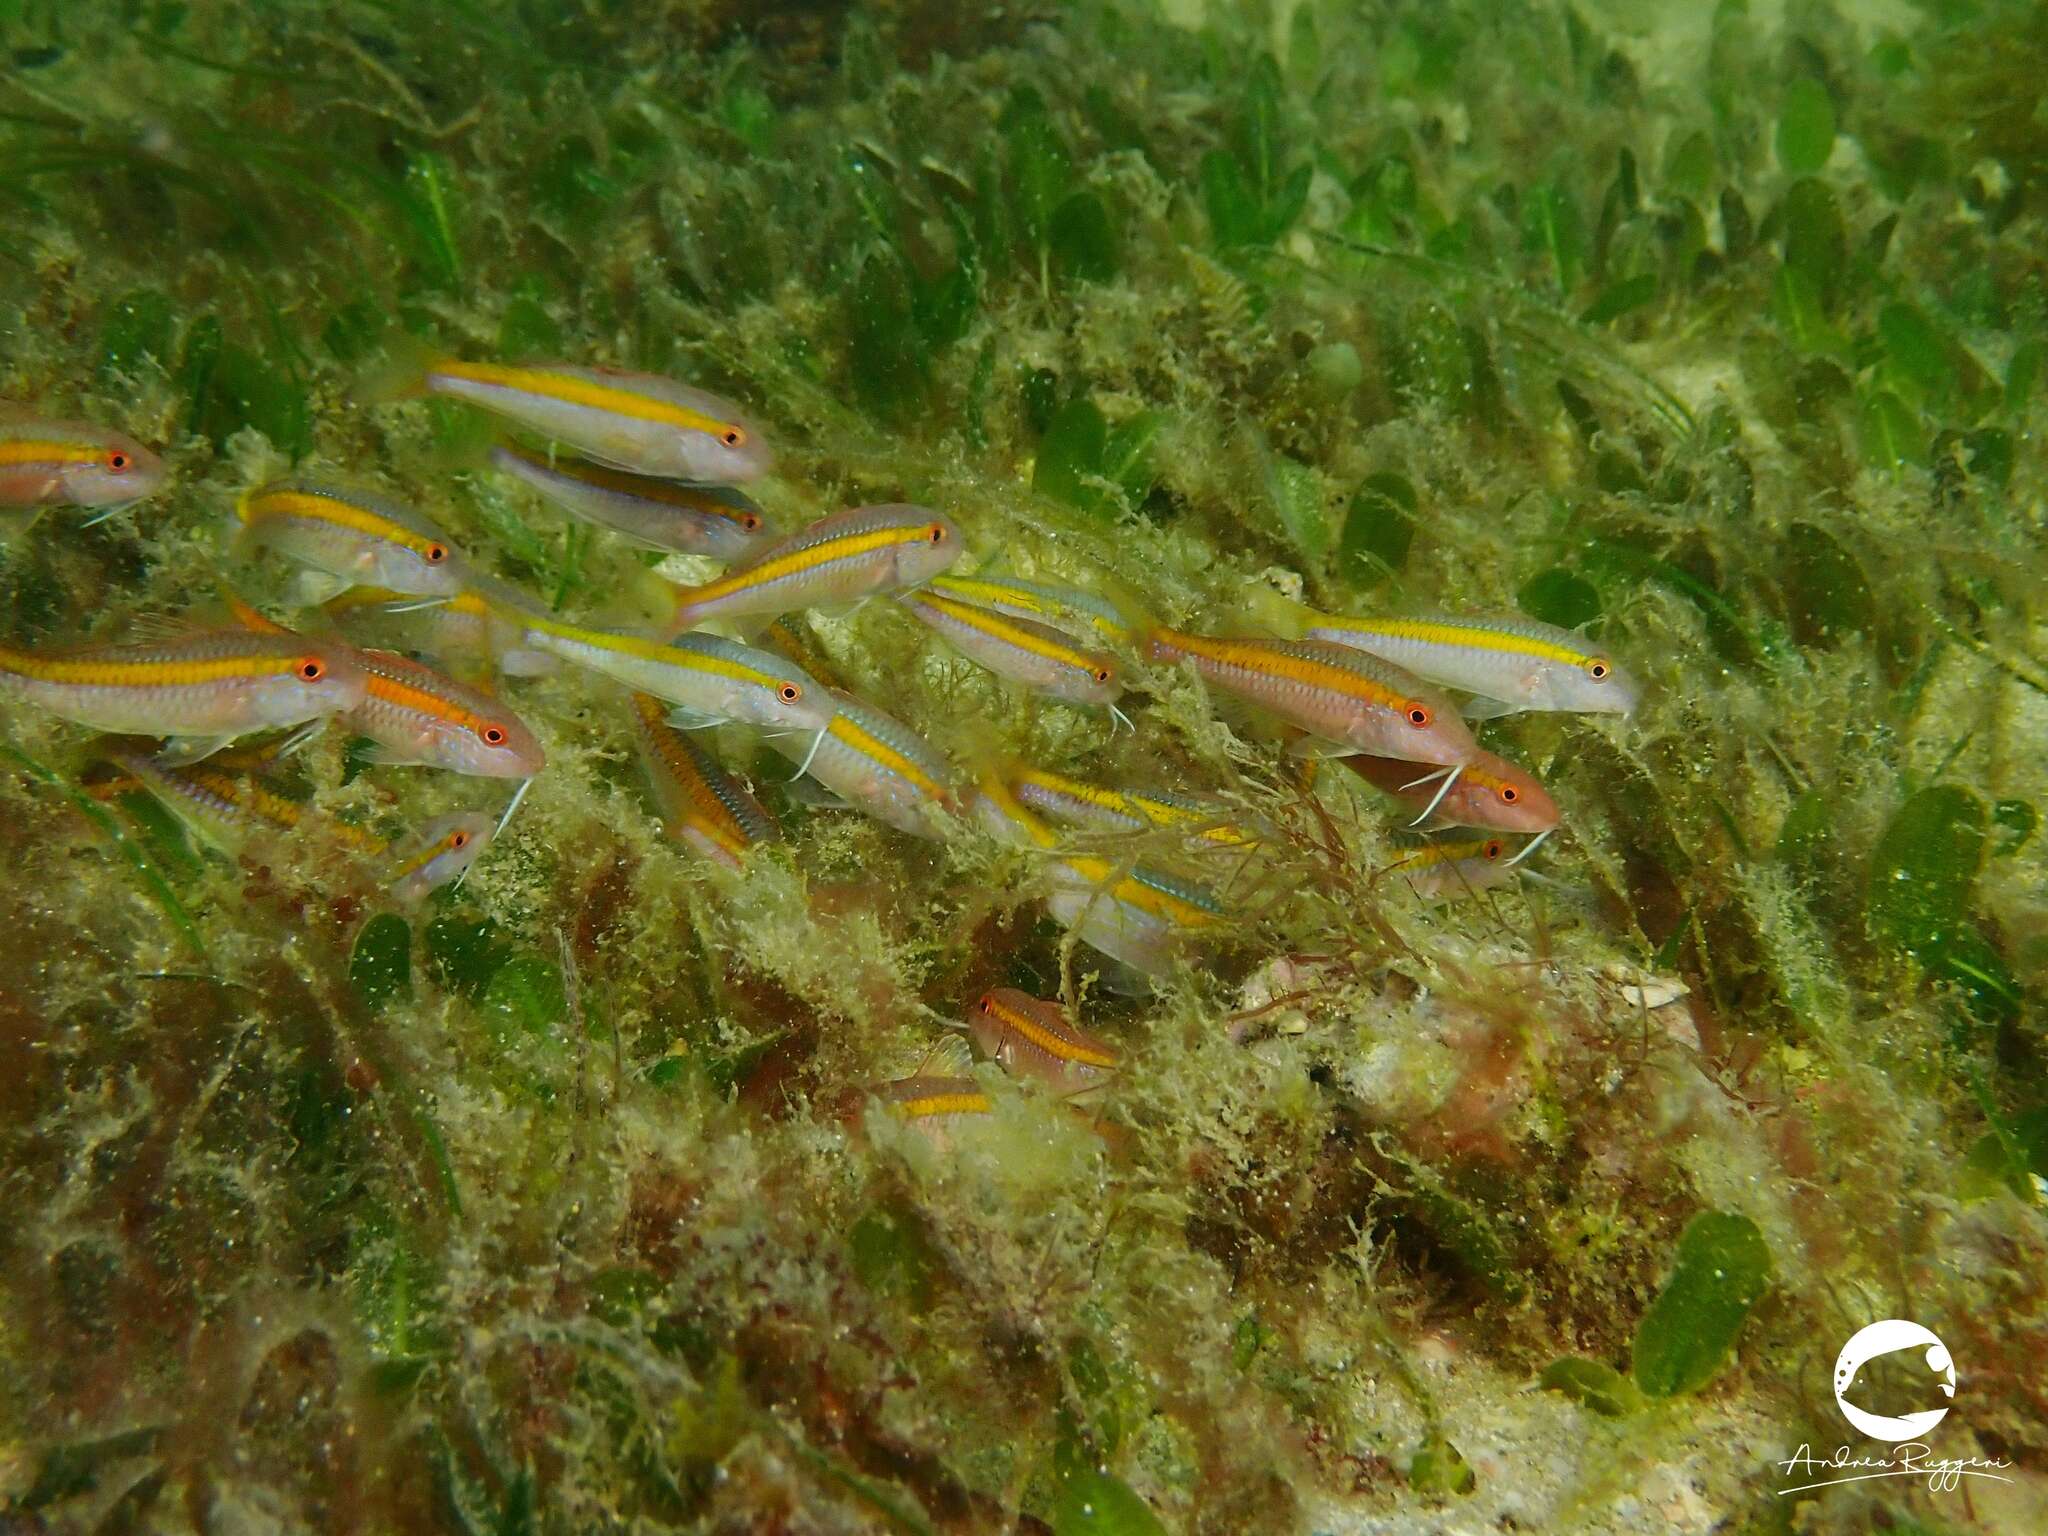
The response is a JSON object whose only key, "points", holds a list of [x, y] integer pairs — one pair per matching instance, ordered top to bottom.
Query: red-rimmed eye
{"points": [[733, 437], [118, 462], [750, 522], [937, 533], [436, 553], [312, 669], [1598, 670], [1102, 674], [789, 693], [1419, 715], [494, 735], [1509, 793], [458, 840], [1492, 850], [988, 1005]]}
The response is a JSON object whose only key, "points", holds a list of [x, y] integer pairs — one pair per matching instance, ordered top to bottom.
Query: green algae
{"points": [[1723, 345]]}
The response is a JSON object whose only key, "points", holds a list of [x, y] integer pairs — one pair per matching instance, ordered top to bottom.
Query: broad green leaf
{"points": [[1806, 127], [1550, 228], [1379, 529], [1556, 596], [380, 965], [1722, 1271], [1594, 1383]]}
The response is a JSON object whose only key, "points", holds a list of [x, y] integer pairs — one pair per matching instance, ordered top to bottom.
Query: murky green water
{"points": [[559, 1203]]}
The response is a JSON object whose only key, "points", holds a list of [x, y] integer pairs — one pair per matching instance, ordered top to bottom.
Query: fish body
{"points": [[635, 421], [71, 464], [660, 514], [357, 535], [848, 555], [1064, 607], [485, 620], [1024, 650], [1516, 661], [705, 675], [209, 684], [1336, 694], [418, 716], [878, 765], [1489, 792], [703, 804], [1084, 804], [229, 810], [439, 850], [1445, 868], [1030, 1037], [936, 1106]]}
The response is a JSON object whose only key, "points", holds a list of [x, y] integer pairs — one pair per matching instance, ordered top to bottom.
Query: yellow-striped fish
{"points": [[636, 421], [71, 463], [712, 520], [356, 535], [848, 555], [1063, 607], [485, 621], [1032, 653], [1511, 663], [210, 686], [1338, 695], [877, 765], [1490, 792], [1075, 800], [700, 802], [225, 809], [438, 851], [1445, 868], [1033, 1038], [936, 1106]]}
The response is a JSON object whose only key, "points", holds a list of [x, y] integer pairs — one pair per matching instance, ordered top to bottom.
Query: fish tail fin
{"points": [[400, 374], [247, 615]]}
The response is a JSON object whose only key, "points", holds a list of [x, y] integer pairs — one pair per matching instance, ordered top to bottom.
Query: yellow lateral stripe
{"points": [[566, 389], [17, 452], [604, 478], [329, 509], [797, 561], [967, 589], [1000, 628], [1434, 632], [649, 650], [1283, 664], [95, 673], [420, 700], [877, 750], [1088, 794], [1017, 814], [732, 842], [1445, 853], [422, 859], [1135, 892], [1048, 1040], [944, 1104]]}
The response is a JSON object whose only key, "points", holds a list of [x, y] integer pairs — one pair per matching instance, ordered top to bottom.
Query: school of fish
{"points": [[662, 465]]}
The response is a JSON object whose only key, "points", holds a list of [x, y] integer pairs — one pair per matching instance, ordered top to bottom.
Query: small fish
{"points": [[635, 421], [71, 464], [660, 514], [356, 535], [848, 555], [1066, 607], [486, 620], [1025, 650], [1511, 663], [706, 676], [210, 685], [1336, 694], [417, 716], [878, 765], [1489, 792], [701, 803], [1084, 804], [228, 811], [439, 850], [1443, 869], [1034, 1038], [937, 1106]]}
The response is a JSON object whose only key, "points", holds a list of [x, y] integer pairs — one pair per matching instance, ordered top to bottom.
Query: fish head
{"points": [[732, 451], [123, 471], [935, 548], [433, 569], [318, 678], [1598, 684], [1423, 727], [493, 744], [1507, 798], [442, 849]]}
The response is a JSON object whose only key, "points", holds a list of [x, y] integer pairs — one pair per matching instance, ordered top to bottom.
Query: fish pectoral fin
{"points": [[525, 663], [1481, 708], [684, 718], [1315, 748], [183, 751], [810, 792]]}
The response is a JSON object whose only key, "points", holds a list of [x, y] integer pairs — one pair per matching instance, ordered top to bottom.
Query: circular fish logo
{"points": [[1882, 1338]]}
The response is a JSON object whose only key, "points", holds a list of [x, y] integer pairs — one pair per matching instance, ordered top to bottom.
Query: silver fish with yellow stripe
{"points": [[71, 463], [712, 520], [357, 535], [848, 555], [1024, 650], [1511, 663], [878, 765]]}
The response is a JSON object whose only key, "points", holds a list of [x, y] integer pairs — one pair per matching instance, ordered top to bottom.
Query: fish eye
{"points": [[733, 437], [117, 462], [750, 522], [938, 533], [436, 553], [312, 669], [1598, 670], [1102, 674], [789, 693], [1419, 715], [494, 735], [1509, 793], [458, 840], [1492, 849], [988, 1005]]}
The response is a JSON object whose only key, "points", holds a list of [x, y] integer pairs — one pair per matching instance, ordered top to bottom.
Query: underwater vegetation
{"points": [[585, 1194]]}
